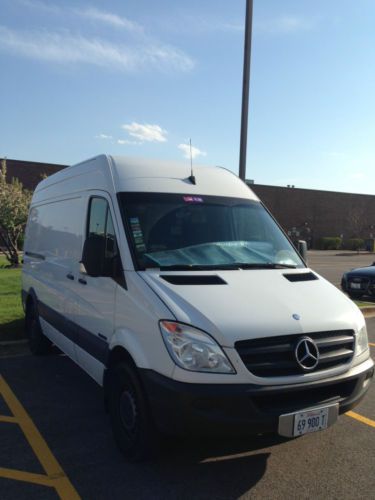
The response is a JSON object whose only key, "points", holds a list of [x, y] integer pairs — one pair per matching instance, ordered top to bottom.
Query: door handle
{"points": [[70, 276], [82, 281]]}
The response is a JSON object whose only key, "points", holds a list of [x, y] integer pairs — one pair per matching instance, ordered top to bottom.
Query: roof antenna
{"points": [[192, 177]]}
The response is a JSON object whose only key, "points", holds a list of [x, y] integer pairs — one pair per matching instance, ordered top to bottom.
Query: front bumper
{"points": [[367, 285], [181, 408]]}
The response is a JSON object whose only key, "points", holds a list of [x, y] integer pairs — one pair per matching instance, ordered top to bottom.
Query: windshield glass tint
{"points": [[169, 230]]}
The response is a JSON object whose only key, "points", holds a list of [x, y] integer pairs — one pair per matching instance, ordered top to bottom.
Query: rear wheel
{"points": [[39, 344], [131, 419]]}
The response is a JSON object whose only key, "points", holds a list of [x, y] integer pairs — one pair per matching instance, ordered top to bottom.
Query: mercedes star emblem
{"points": [[307, 354]]}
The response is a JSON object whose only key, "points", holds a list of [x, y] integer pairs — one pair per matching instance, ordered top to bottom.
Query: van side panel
{"points": [[53, 248]]}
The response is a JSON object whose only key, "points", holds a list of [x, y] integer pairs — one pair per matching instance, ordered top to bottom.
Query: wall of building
{"points": [[30, 173], [316, 214]]}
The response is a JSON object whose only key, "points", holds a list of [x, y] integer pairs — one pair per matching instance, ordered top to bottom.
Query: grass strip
{"points": [[11, 312]]}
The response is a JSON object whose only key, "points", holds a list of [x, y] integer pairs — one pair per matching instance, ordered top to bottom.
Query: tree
{"points": [[14, 207]]}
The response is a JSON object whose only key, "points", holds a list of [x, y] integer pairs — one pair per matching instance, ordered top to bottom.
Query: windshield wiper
{"points": [[264, 265], [226, 267]]}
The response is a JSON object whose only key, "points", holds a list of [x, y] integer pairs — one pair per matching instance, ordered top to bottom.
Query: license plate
{"points": [[357, 286], [310, 421]]}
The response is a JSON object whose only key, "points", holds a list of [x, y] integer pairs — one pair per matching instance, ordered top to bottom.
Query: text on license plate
{"points": [[355, 285], [310, 421]]}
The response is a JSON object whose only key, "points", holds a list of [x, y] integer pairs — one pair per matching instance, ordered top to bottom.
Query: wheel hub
{"points": [[128, 411]]}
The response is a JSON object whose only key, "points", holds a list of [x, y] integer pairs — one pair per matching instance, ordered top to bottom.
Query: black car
{"points": [[359, 282]]}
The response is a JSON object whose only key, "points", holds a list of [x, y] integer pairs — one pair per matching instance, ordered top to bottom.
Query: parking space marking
{"points": [[361, 418], [8, 419], [55, 476], [28, 477]]}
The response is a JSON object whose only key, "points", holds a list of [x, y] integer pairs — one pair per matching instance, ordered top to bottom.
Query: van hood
{"points": [[254, 303]]}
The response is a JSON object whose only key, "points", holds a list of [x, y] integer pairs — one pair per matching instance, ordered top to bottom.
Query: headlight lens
{"points": [[362, 341], [193, 349]]}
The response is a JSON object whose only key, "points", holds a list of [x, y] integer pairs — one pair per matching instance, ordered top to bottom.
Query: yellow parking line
{"points": [[6, 418], [361, 418], [55, 475], [29, 477]]}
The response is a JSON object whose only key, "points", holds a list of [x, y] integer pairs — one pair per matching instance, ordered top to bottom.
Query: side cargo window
{"points": [[100, 252]]}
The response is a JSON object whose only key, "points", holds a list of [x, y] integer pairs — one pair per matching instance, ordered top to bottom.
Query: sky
{"points": [[142, 77]]}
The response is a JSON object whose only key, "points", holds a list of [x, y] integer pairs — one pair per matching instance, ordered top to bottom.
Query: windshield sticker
{"points": [[193, 199], [137, 234]]}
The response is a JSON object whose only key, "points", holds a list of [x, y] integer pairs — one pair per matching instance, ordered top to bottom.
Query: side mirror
{"points": [[302, 249], [93, 255]]}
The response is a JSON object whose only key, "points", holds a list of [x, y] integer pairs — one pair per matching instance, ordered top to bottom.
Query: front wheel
{"points": [[39, 344], [131, 419]]}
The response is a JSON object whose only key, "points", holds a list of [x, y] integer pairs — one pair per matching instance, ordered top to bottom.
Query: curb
{"points": [[353, 254], [368, 311]]}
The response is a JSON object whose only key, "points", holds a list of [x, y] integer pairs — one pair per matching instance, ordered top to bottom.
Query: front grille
{"points": [[363, 282], [275, 356]]}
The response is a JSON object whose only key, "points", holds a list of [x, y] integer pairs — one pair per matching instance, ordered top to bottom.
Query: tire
{"points": [[355, 296], [39, 344], [131, 420]]}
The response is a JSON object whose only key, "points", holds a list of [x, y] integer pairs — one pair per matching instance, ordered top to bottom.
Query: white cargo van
{"points": [[183, 297]]}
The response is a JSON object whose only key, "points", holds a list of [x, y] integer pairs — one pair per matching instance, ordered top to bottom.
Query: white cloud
{"points": [[37, 4], [91, 13], [109, 18], [191, 24], [283, 25], [64, 47], [146, 132], [103, 136], [126, 141], [185, 148]]}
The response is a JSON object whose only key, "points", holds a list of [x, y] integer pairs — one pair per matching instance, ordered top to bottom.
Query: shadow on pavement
{"points": [[12, 330], [196, 450], [227, 477]]}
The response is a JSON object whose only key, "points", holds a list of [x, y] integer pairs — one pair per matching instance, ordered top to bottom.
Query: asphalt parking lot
{"points": [[56, 442]]}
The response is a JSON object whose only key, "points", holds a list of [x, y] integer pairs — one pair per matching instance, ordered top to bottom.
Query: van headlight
{"points": [[362, 341], [193, 349]]}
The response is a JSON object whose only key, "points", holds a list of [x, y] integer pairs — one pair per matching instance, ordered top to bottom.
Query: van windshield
{"points": [[177, 231]]}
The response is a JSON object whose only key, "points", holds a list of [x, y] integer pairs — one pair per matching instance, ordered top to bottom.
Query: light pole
{"points": [[245, 87]]}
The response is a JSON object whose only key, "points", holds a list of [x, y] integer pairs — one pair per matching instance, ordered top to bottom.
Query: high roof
{"points": [[117, 174], [142, 174]]}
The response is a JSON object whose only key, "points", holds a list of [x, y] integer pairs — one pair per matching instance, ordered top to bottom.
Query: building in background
{"points": [[30, 173], [305, 214], [311, 215]]}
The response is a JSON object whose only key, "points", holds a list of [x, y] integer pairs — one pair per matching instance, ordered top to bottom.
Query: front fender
{"points": [[147, 351]]}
